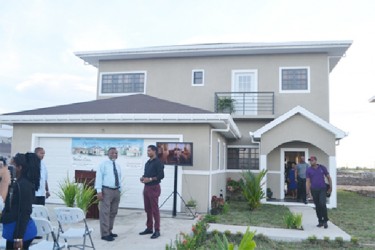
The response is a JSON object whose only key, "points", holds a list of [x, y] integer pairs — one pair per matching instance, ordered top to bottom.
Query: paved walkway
{"points": [[130, 222], [309, 222]]}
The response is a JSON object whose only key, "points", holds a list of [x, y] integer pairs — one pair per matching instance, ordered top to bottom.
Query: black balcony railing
{"points": [[245, 103]]}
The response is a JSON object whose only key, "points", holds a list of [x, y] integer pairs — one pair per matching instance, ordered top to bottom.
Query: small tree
{"points": [[252, 188]]}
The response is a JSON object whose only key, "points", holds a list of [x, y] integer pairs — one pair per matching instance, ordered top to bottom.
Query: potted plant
{"points": [[225, 105], [67, 192], [269, 193], [80, 194], [85, 196], [217, 205], [191, 207]]}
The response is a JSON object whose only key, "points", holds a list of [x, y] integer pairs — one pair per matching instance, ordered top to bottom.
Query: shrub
{"points": [[233, 185], [252, 188], [67, 192], [209, 218], [293, 220], [227, 232], [312, 239], [194, 240], [354, 240], [339, 241], [247, 242]]}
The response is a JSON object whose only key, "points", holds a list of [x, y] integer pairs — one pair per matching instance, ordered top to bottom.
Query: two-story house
{"points": [[243, 106]]}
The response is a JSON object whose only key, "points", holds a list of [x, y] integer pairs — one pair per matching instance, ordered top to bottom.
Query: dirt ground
{"points": [[360, 181]]}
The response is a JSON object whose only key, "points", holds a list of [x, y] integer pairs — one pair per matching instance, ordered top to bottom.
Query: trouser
{"points": [[301, 194], [319, 197], [151, 199], [40, 200], [108, 208], [25, 244]]}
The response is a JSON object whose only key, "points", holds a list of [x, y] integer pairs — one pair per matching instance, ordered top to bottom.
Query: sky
{"points": [[38, 39]]}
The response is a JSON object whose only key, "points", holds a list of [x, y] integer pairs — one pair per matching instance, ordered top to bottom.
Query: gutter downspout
{"points": [[261, 161], [210, 172]]}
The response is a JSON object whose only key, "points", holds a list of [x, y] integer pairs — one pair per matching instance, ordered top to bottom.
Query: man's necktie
{"points": [[117, 183]]}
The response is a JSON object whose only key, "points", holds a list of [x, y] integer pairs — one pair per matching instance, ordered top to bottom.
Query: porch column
{"points": [[263, 165], [333, 174]]}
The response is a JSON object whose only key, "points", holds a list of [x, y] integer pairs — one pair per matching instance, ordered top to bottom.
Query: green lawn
{"points": [[355, 215], [266, 216]]}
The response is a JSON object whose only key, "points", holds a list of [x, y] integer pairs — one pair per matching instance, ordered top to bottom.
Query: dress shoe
{"points": [[320, 224], [325, 225], [147, 231], [113, 235], [155, 235], [108, 238]]}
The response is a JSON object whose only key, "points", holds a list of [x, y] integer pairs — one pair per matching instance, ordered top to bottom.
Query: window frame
{"points": [[193, 78], [294, 91], [100, 93], [242, 147]]}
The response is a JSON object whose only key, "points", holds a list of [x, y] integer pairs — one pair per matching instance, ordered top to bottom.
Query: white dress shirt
{"points": [[105, 175], [43, 178]]}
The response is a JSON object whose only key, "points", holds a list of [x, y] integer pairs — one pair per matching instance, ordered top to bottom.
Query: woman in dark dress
{"points": [[292, 180], [18, 228]]}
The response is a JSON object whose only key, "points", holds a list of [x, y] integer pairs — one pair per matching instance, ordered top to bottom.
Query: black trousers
{"points": [[301, 194], [320, 198], [40, 200], [26, 244]]}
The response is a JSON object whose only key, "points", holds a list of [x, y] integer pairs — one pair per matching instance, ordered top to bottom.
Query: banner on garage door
{"points": [[87, 153]]}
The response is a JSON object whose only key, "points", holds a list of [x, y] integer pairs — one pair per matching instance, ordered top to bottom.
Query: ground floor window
{"points": [[243, 158]]}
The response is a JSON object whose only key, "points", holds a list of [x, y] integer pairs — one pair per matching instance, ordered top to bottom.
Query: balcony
{"points": [[245, 104]]}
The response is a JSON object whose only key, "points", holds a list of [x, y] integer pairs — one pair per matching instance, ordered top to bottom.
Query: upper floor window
{"points": [[197, 77], [294, 80], [122, 83], [243, 158]]}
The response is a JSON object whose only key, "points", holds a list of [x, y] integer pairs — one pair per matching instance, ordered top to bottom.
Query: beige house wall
{"points": [[171, 78], [298, 128], [199, 134], [194, 186]]}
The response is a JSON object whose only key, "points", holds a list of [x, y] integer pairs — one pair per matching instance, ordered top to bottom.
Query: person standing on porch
{"points": [[153, 174], [301, 179], [316, 187], [108, 188]]}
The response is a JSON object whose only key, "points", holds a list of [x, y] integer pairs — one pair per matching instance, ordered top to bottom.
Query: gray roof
{"points": [[334, 49], [131, 104]]}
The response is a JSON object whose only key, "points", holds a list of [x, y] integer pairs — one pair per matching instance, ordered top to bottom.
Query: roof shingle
{"points": [[131, 104]]}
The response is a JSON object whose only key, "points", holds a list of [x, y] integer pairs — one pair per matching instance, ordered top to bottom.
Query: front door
{"points": [[244, 86], [289, 155]]}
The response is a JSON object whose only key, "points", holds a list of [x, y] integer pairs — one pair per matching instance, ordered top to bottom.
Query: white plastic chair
{"points": [[40, 211], [73, 216], [44, 227], [3, 243]]}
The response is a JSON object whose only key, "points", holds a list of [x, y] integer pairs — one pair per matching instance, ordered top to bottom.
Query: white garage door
{"points": [[59, 162]]}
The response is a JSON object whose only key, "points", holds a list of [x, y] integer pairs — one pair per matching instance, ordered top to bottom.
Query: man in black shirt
{"points": [[153, 174]]}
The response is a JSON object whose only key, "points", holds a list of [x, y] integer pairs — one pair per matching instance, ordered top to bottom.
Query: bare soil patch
{"points": [[359, 181]]}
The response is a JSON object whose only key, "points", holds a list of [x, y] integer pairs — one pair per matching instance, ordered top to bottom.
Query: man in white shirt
{"points": [[108, 188], [43, 192]]}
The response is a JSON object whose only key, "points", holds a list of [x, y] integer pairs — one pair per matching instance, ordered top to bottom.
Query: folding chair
{"points": [[40, 211], [70, 216], [44, 227], [3, 243]]}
